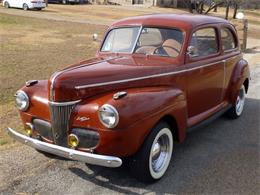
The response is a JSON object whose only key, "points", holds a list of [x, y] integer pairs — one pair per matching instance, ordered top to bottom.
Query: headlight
{"points": [[22, 100], [108, 116]]}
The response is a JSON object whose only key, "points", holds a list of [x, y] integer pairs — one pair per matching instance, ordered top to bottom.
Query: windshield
{"points": [[121, 40], [151, 41]]}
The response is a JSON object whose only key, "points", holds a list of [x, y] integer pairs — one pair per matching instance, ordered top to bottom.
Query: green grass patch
{"points": [[6, 20], [3, 142]]}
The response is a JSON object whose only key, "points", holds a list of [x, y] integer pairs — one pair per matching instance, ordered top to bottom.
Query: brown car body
{"points": [[183, 91]]}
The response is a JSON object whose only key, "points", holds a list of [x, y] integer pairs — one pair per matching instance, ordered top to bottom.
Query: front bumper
{"points": [[95, 159]]}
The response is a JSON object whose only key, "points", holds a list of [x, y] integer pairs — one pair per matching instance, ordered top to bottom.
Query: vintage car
{"points": [[25, 4], [154, 78]]}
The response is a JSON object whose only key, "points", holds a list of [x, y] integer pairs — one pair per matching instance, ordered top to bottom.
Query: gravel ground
{"points": [[222, 158]]}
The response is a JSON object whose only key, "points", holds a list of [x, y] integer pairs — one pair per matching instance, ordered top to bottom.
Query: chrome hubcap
{"points": [[240, 101], [156, 150], [161, 152]]}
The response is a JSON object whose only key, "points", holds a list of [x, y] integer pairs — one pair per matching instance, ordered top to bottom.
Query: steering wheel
{"points": [[164, 46]]}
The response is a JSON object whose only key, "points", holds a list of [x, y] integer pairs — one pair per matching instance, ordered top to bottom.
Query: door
{"points": [[12, 3], [17, 3], [230, 54], [205, 78]]}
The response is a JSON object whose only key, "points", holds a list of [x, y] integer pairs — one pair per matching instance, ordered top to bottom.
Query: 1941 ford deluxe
{"points": [[153, 78]]}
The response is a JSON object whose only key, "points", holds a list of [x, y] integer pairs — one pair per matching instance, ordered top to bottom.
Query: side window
{"points": [[150, 36], [228, 39], [204, 42]]}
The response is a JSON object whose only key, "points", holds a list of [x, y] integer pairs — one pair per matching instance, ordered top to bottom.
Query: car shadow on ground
{"points": [[221, 157]]}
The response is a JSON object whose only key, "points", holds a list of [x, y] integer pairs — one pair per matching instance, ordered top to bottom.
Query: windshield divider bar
{"points": [[137, 38]]}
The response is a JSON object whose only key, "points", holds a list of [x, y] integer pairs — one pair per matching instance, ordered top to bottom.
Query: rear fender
{"points": [[240, 74]]}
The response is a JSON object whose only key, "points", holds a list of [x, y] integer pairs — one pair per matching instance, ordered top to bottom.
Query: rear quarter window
{"points": [[228, 39], [205, 42]]}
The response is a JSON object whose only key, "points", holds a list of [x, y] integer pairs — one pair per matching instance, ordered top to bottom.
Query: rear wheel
{"points": [[7, 5], [25, 7], [236, 110], [152, 161]]}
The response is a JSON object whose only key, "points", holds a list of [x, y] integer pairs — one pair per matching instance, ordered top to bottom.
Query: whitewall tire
{"points": [[236, 110], [153, 159]]}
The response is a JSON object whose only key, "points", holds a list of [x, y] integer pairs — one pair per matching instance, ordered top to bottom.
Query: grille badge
{"points": [[82, 118]]}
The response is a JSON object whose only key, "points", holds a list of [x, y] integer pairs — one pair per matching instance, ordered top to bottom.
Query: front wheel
{"points": [[64, 2], [7, 5], [25, 7], [236, 110], [152, 161]]}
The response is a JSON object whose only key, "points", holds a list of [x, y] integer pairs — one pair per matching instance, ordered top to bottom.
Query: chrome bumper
{"points": [[94, 159]]}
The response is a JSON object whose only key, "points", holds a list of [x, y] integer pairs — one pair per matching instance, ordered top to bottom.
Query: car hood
{"points": [[99, 75]]}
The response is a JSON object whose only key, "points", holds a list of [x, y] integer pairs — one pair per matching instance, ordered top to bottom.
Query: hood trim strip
{"points": [[56, 74], [150, 76], [141, 78]]}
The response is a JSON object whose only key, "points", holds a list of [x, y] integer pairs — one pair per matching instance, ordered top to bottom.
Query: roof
{"points": [[170, 20]]}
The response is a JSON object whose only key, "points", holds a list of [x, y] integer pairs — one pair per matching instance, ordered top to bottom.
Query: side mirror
{"points": [[95, 37], [192, 51]]}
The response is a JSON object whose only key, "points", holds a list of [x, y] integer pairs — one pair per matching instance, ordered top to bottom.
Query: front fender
{"points": [[240, 73], [145, 103], [137, 105], [139, 111]]}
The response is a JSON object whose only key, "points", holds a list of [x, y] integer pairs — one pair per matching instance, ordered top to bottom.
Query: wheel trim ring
{"points": [[240, 101], [162, 154], [156, 174]]}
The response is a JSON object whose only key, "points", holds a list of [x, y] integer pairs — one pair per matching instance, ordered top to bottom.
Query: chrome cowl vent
{"points": [[60, 113]]}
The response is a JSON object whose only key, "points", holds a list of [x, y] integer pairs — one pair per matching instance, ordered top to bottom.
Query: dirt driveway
{"points": [[222, 158]]}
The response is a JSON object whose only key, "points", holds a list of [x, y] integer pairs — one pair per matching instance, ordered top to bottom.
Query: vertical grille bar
{"points": [[60, 116]]}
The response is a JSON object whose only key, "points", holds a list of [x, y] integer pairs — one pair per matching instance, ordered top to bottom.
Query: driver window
{"points": [[150, 36], [159, 41], [204, 42]]}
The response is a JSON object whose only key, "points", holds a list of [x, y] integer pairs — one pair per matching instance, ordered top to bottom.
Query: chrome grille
{"points": [[60, 116]]}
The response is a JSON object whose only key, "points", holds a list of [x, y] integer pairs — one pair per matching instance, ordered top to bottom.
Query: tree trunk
{"points": [[235, 10], [227, 11]]}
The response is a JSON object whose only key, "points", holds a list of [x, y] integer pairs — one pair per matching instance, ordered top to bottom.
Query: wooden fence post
{"points": [[242, 28], [245, 34]]}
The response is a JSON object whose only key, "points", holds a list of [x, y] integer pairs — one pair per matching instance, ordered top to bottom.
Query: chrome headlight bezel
{"points": [[22, 97], [107, 108]]}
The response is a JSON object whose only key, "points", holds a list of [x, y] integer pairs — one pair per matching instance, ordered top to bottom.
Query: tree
{"points": [[199, 6]]}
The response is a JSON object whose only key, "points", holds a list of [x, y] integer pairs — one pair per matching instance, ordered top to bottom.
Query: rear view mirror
{"points": [[192, 51]]}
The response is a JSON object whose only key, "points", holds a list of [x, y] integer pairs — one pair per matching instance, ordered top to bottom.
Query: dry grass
{"points": [[34, 49]]}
